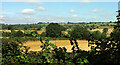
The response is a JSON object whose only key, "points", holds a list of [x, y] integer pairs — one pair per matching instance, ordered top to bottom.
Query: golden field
{"points": [[35, 45]]}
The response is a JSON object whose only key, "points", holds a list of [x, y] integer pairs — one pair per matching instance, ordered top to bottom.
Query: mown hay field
{"points": [[35, 45]]}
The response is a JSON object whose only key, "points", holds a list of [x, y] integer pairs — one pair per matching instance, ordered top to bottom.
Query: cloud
{"points": [[34, 2], [85, 2], [41, 9], [97, 10], [28, 11], [72, 11], [106, 14], [75, 15], [1, 17], [27, 17], [95, 17], [20, 20]]}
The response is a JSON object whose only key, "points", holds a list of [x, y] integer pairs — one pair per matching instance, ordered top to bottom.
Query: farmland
{"points": [[59, 43], [35, 45]]}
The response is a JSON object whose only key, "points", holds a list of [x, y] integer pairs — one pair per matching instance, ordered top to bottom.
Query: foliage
{"points": [[22, 26], [11, 27], [53, 30], [105, 30], [80, 32], [16, 33], [31, 33], [6, 34], [19, 34], [43, 34], [96, 35], [103, 35], [115, 35], [10, 48], [104, 52], [49, 54]]}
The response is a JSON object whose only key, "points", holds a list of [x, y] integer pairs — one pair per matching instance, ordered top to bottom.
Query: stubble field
{"points": [[35, 45]]}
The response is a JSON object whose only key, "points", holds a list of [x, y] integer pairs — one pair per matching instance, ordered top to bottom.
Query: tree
{"points": [[40, 22], [10, 27], [25, 28], [39, 28], [53, 30], [105, 30], [80, 32], [28, 33], [34, 33], [104, 33], [6, 34], [17, 34], [43, 34], [116, 34], [96, 35], [103, 36]]}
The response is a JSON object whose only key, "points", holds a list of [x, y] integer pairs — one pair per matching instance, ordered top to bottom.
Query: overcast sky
{"points": [[34, 11]]}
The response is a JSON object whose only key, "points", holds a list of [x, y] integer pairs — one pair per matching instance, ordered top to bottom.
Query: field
{"points": [[43, 30], [101, 30], [35, 45]]}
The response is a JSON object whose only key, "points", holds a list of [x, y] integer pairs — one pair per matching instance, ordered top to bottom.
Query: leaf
{"points": [[34, 35], [52, 45], [80, 60], [86, 61], [82, 63]]}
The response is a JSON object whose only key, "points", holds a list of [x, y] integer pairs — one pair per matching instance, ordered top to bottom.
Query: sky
{"points": [[34, 12]]}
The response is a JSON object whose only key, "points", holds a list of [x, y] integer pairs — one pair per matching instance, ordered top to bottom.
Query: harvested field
{"points": [[101, 30], [35, 45]]}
